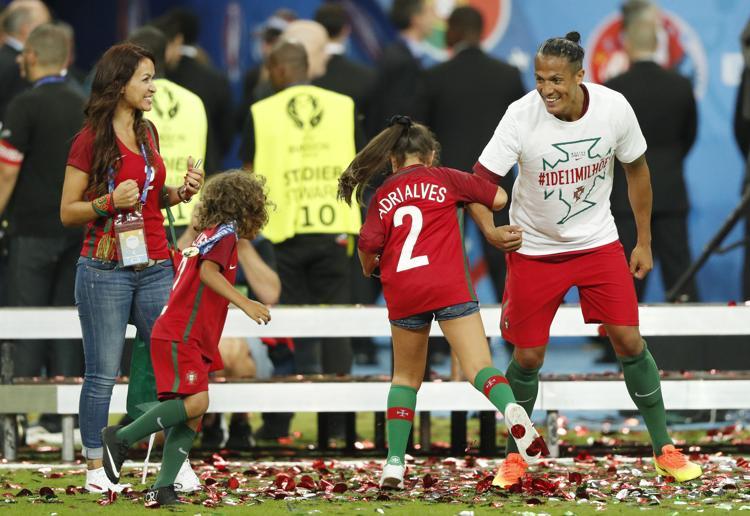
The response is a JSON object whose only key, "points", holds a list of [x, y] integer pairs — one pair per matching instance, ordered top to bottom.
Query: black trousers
{"points": [[669, 245], [746, 263], [315, 270], [40, 272], [364, 291]]}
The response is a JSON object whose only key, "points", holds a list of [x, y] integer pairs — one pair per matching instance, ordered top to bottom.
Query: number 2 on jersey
{"points": [[406, 261]]}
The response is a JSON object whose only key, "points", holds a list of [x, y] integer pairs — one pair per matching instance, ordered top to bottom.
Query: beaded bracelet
{"points": [[103, 205]]}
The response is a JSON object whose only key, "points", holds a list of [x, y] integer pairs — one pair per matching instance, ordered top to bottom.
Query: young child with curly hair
{"points": [[185, 338]]}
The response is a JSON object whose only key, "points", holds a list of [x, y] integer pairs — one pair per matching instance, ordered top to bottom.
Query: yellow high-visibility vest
{"points": [[180, 118], [304, 140]]}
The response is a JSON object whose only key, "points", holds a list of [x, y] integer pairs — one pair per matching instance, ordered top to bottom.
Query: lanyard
{"points": [[50, 79], [148, 170], [224, 230]]}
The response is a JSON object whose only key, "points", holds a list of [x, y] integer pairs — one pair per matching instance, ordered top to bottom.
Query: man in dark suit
{"points": [[18, 20], [16, 23], [186, 68], [342, 75], [399, 83], [665, 106], [463, 113]]}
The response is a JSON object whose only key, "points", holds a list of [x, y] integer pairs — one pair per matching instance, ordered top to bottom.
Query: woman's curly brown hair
{"points": [[234, 195]]}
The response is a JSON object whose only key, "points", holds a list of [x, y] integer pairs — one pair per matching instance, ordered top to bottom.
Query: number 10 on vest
{"points": [[324, 214]]}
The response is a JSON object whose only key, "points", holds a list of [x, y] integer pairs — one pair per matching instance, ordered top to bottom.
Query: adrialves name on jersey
{"points": [[427, 191]]}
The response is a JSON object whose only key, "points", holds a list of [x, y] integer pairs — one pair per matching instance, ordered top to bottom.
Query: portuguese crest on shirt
{"points": [[572, 173]]}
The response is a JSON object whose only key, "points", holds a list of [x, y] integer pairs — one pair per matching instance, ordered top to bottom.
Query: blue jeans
{"points": [[108, 297], [415, 322]]}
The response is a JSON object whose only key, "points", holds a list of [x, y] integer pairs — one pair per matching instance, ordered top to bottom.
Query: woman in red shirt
{"points": [[114, 186], [414, 232]]}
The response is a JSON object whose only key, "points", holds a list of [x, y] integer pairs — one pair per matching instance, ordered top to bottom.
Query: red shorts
{"points": [[536, 285], [181, 368]]}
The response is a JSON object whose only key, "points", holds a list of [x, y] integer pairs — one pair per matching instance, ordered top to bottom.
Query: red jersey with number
{"points": [[131, 166], [415, 223], [194, 311]]}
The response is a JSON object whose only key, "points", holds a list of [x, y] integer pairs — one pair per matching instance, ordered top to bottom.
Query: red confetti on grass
{"points": [[321, 466], [574, 477], [429, 481], [603, 481], [285, 482], [306, 482], [484, 484], [47, 492], [109, 499]]}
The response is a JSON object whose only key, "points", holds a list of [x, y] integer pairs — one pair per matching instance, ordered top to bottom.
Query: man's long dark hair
{"points": [[568, 48], [113, 71]]}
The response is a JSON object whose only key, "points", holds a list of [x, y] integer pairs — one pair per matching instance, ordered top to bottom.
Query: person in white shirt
{"points": [[565, 137]]}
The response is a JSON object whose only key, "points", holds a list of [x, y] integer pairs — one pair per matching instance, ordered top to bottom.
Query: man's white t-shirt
{"points": [[561, 196]]}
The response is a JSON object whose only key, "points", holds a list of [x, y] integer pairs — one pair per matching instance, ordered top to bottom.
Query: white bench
{"points": [[360, 321], [369, 396]]}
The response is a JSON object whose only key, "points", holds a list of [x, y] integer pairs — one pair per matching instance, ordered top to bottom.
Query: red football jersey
{"points": [[415, 223], [194, 311]]}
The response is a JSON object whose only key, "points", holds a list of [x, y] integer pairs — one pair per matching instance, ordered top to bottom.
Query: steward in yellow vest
{"points": [[183, 127], [301, 140]]}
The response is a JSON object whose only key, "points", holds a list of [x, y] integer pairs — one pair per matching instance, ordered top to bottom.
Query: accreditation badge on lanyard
{"points": [[130, 232]]}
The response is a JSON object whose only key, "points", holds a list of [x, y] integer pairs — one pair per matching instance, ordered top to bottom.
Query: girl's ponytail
{"points": [[401, 137]]}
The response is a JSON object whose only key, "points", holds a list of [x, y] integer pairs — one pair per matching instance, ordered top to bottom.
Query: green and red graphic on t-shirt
{"points": [[575, 163]]}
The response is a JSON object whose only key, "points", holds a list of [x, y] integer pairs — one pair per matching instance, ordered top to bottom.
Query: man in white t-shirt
{"points": [[565, 137]]}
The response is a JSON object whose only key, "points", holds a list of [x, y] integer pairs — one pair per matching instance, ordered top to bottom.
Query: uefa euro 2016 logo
{"points": [[495, 13], [679, 48], [166, 104], [305, 111]]}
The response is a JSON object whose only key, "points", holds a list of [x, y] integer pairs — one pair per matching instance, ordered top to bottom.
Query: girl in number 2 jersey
{"points": [[413, 232]]}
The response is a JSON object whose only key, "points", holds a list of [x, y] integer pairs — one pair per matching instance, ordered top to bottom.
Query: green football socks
{"points": [[525, 385], [644, 386], [495, 387], [402, 401], [160, 417], [176, 449]]}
